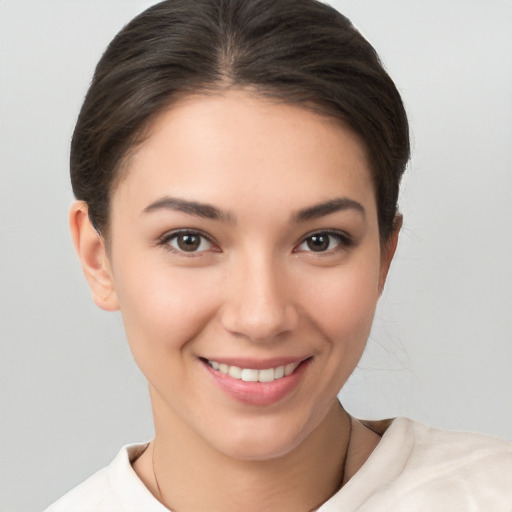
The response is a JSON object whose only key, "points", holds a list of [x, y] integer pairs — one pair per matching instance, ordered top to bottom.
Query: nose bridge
{"points": [[259, 305]]}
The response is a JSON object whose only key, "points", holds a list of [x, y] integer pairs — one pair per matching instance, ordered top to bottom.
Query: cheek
{"points": [[342, 302], [163, 308]]}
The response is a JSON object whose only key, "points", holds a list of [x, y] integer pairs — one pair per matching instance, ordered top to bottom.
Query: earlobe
{"points": [[388, 251], [92, 253]]}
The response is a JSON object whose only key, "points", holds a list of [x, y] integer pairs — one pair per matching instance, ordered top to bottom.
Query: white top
{"points": [[414, 468]]}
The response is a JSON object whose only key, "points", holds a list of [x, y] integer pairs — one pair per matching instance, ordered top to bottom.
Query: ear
{"points": [[91, 250], [388, 250]]}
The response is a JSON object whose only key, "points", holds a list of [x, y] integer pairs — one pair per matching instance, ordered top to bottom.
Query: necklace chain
{"points": [[154, 473]]}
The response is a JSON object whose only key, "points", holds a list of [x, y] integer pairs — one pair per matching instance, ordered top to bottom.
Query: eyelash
{"points": [[165, 240], [343, 242]]}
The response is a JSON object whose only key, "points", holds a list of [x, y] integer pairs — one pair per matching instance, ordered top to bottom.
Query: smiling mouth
{"points": [[252, 374]]}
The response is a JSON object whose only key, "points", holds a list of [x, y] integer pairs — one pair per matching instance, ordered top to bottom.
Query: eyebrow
{"points": [[327, 207], [204, 210], [209, 211]]}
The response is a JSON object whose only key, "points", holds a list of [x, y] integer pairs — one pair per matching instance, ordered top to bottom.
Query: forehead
{"points": [[221, 147]]}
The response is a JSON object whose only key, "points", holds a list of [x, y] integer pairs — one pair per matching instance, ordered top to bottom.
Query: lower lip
{"points": [[258, 393]]}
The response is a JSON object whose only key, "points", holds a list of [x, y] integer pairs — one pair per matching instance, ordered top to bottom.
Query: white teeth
{"points": [[289, 368], [235, 372], [249, 375], [252, 375], [266, 375]]}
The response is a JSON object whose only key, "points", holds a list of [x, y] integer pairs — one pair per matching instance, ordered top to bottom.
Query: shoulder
{"points": [[426, 443], [431, 446], [419, 468], [442, 468], [116, 487], [95, 493]]}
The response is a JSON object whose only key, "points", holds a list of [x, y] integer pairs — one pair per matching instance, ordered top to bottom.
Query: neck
{"points": [[186, 474]]}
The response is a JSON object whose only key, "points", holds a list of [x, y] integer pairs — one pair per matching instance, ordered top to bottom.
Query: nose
{"points": [[259, 306]]}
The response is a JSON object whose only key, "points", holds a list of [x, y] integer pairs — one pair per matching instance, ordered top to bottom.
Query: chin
{"points": [[262, 440], [260, 449]]}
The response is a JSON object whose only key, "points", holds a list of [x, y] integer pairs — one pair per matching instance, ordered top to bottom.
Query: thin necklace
{"points": [[344, 465], [340, 485], [160, 499]]}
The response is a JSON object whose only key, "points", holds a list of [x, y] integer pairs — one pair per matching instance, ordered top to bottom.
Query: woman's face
{"points": [[244, 240]]}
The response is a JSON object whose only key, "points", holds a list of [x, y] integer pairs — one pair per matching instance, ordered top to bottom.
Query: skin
{"points": [[254, 291]]}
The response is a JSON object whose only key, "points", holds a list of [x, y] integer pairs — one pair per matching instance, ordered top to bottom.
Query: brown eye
{"points": [[324, 241], [189, 242], [318, 243]]}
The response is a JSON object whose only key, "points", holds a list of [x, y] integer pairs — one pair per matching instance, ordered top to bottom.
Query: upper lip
{"points": [[257, 364]]}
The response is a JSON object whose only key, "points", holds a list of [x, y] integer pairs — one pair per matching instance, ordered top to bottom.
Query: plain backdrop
{"points": [[441, 348]]}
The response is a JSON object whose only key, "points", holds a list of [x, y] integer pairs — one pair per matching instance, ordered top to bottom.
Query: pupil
{"points": [[188, 242], [318, 243]]}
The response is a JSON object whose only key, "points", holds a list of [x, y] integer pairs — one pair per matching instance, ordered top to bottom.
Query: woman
{"points": [[236, 166]]}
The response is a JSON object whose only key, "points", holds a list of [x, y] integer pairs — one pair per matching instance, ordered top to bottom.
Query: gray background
{"points": [[440, 350]]}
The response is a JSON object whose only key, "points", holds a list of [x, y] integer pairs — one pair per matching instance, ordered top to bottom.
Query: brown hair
{"points": [[301, 52]]}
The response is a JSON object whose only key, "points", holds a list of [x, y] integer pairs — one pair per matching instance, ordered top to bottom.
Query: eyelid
{"points": [[169, 235], [345, 240]]}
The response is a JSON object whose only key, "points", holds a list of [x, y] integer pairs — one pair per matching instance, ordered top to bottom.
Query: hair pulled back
{"points": [[300, 52]]}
